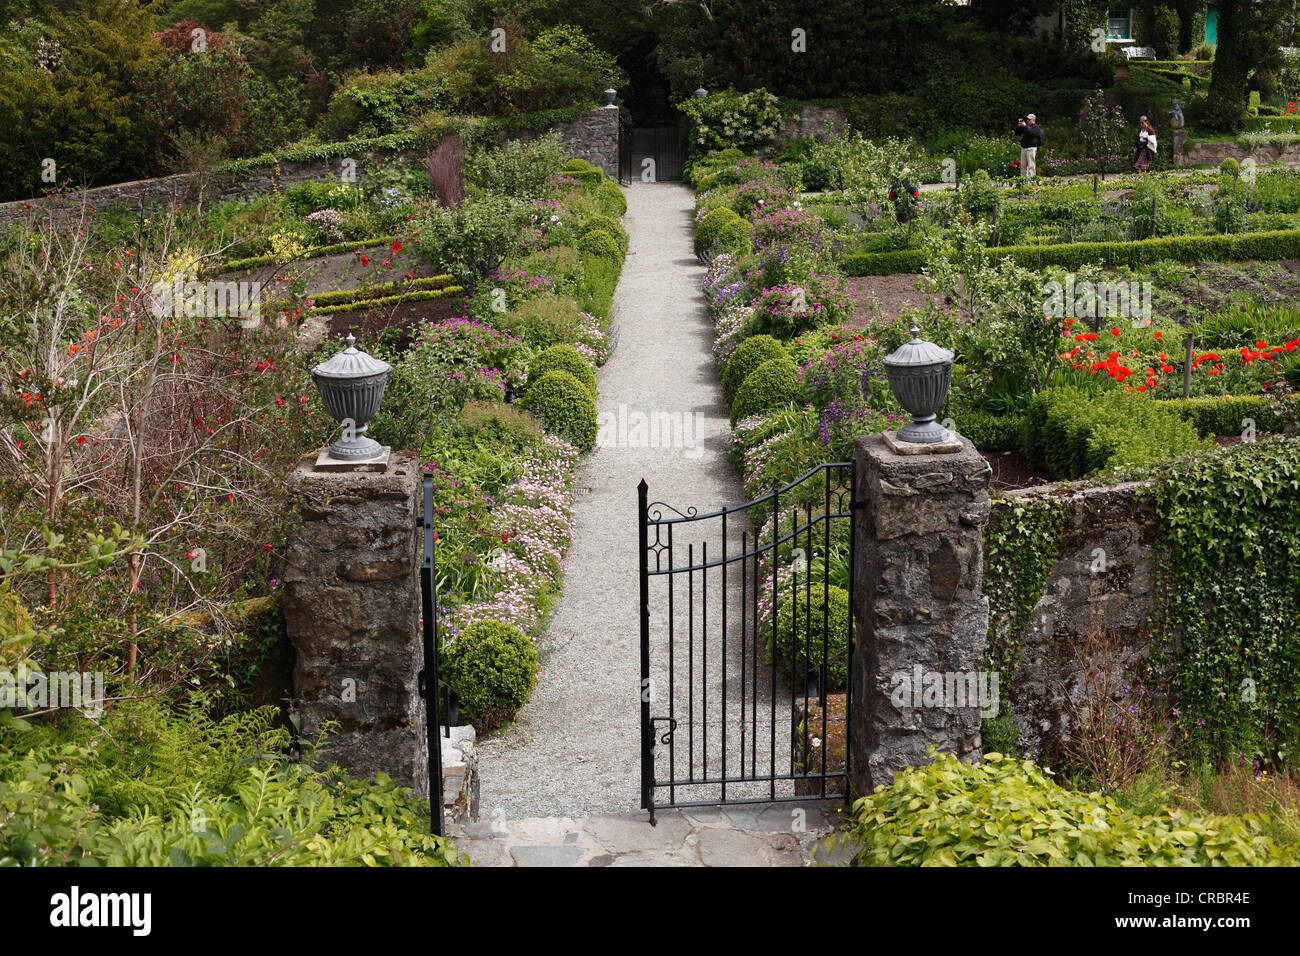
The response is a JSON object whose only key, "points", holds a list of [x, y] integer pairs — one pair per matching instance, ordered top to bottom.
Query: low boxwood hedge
{"points": [[1237, 247], [256, 262], [365, 294], [1226, 414]]}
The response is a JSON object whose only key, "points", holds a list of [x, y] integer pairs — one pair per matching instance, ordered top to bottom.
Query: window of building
{"points": [[1119, 23]]}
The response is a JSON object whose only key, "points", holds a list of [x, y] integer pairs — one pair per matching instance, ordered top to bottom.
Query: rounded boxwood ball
{"points": [[604, 223], [710, 228], [597, 242], [751, 353], [564, 358], [774, 384], [565, 407], [797, 643], [493, 667]]}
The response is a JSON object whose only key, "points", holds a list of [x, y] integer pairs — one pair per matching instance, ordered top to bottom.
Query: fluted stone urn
{"points": [[610, 96], [920, 374], [351, 385]]}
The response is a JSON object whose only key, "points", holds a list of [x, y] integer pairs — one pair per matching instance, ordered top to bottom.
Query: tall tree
{"points": [[1250, 32]]}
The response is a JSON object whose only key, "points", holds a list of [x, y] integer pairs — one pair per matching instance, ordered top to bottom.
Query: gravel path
{"points": [[574, 749]]}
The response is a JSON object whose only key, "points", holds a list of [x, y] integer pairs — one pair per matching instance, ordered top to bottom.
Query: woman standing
{"points": [[1145, 149]]}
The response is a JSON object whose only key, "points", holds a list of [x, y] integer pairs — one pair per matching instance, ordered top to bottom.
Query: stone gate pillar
{"points": [[352, 611], [920, 613]]}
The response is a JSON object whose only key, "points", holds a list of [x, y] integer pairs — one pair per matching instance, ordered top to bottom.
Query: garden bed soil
{"points": [[878, 297], [368, 323], [1010, 471]]}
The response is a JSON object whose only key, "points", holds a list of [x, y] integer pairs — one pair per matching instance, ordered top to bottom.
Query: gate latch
{"points": [[667, 738]]}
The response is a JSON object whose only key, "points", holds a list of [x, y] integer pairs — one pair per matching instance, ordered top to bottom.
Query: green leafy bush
{"points": [[732, 120], [517, 169], [611, 198], [602, 223], [707, 232], [468, 241], [599, 243], [543, 321], [752, 353], [564, 358], [772, 385], [565, 406], [1227, 414], [499, 424], [990, 432], [1073, 433], [800, 635], [493, 667], [1005, 812]]}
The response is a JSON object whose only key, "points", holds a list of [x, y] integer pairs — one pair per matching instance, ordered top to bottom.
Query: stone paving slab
{"points": [[783, 834]]}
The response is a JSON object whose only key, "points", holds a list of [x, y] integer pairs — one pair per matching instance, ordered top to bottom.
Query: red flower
{"points": [[396, 246], [1115, 332], [1159, 336], [1208, 355]]}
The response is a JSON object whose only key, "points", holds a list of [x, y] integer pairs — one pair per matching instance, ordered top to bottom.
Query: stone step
{"points": [[781, 834]]}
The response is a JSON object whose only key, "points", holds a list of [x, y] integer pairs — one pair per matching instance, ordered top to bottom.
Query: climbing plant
{"points": [[1232, 527], [1020, 545]]}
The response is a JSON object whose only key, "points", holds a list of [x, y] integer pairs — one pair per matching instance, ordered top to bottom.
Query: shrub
{"points": [[732, 120], [1230, 167], [517, 169], [591, 178], [611, 198], [602, 223], [707, 232], [467, 241], [599, 243], [1259, 246], [544, 321], [752, 353], [564, 358], [773, 385], [565, 407], [1226, 414], [501, 424], [989, 432], [1073, 433], [800, 634], [493, 667], [1005, 812]]}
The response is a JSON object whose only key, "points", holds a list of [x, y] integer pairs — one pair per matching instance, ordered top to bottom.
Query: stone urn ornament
{"points": [[610, 96], [920, 374], [351, 384]]}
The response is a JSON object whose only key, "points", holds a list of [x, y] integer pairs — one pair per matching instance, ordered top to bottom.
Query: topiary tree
{"points": [[752, 353], [564, 358], [774, 384], [565, 406], [805, 623], [493, 667]]}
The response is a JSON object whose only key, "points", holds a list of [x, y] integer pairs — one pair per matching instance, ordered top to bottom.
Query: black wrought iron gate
{"points": [[663, 145], [746, 644], [442, 706]]}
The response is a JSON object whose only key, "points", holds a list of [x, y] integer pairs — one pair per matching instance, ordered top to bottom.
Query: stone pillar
{"points": [[1180, 147], [919, 608], [352, 611]]}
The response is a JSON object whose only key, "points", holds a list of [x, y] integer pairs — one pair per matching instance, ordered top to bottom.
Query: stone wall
{"points": [[812, 120], [592, 136], [1213, 153], [1101, 581]]}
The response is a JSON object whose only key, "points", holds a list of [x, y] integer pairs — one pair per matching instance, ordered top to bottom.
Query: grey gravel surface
{"points": [[574, 750]]}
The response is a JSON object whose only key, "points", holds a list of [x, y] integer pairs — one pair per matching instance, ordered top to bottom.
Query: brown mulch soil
{"points": [[878, 297], [1010, 471]]}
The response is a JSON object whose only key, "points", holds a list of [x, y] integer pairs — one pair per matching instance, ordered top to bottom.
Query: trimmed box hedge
{"points": [[1278, 124], [1239, 247], [256, 262], [366, 294], [1226, 414]]}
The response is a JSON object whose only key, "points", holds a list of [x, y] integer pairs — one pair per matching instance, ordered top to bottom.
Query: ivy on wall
{"points": [[1231, 522], [1020, 545]]}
